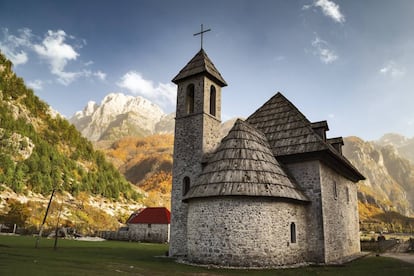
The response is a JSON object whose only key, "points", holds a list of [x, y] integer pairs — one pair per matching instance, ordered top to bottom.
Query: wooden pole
{"points": [[44, 219]]}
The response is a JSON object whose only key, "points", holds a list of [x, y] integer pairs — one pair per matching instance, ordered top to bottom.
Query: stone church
{"points": [[275, 191]]}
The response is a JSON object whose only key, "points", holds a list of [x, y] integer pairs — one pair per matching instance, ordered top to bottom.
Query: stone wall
{"points": [[195, 134], [187, 156], [307, 176], [340, 216], [149, 232], [245, 232], [158, 233]]}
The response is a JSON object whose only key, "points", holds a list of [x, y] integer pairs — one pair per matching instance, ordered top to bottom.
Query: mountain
{"points": [[120, 115], [404, 145], [41, 151], [145, 162], [390, 177]]}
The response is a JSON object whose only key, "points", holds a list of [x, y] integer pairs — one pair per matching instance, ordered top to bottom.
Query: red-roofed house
{"points": [[151, 224]]}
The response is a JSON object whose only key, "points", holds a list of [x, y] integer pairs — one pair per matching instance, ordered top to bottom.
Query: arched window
{"points": [[189, 99], [213, 100], [186, 185], [292, 232]]}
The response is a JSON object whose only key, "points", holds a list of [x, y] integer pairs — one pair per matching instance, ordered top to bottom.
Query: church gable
{"points": [[286, 128], [293, 137], [244, 165]]}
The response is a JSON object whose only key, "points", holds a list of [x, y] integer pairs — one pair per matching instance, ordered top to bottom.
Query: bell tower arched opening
{"points": [[189, 99], [213, 100]]}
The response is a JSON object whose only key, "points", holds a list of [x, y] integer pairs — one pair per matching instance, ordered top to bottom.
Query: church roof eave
{"points": [[330, 158], [305, 200]]}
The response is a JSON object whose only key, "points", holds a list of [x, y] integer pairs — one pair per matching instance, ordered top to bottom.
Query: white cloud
{"points": [[329, 8], [12, 46], [53, 48], [322, 50], [58, 53], [17, 58], [90, 62], [392, 70], [100, 75], [36, 84], [163, 94]]}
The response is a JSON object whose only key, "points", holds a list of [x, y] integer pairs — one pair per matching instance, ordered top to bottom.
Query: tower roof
{"points": [[200, 64], [291, 134], [243, 165]]}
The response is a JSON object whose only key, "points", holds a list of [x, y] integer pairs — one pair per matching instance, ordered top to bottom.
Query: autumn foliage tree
{"points": [[146, 162]]}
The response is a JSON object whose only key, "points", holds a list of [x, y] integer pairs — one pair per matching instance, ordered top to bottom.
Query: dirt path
{"points": [[399, 247], [398, 252], [406, 257]]}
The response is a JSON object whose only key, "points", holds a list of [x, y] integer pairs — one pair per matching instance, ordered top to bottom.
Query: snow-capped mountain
{"points": [[120, 115]]}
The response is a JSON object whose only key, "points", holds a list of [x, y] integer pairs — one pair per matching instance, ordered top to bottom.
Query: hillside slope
{"points": [[403, 145], [40, 151], [145, 162], [390, 178]]}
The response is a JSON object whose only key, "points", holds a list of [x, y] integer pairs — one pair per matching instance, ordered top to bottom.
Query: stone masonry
{"points": [[195, 135], [340, 215], [149, 232], [245, 232]]}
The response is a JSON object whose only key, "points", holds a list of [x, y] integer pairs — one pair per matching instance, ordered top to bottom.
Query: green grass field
{"points": [[19, 257]]}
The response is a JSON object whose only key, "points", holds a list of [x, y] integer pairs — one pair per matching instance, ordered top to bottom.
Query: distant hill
{"points": [[120, 115], [404, 145], [41, 151], [145, 162], [389, 186]]}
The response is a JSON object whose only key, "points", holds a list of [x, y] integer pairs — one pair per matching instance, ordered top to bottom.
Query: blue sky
{"points": [[349, 62]]}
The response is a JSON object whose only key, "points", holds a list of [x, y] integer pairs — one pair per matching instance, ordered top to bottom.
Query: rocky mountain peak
{"points": [[119, 115], [394, 139], [403, 145], [389, 175]]}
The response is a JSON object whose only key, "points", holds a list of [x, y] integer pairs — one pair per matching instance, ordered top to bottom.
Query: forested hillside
{"points": [[40, 152], [145, 162]]}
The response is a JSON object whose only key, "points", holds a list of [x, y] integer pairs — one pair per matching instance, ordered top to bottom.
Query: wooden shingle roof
{"points": [[200, 64], [290, 134], [243, 165]]}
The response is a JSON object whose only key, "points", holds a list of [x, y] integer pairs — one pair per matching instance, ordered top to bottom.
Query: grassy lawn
{"points": [[19, 257]]}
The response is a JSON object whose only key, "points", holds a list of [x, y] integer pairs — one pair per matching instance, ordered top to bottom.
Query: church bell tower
{"points": [[197, 128]]}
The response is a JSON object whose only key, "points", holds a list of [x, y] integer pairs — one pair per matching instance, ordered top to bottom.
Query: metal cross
{"points": [[201, 34]]}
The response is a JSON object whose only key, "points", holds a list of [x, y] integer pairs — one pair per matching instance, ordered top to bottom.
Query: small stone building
{"points": [[275, 191], [151, 224]]}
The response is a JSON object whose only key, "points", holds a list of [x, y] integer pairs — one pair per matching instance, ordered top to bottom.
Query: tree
{"points": [[7, 168], [17, 184], [17, 214]]}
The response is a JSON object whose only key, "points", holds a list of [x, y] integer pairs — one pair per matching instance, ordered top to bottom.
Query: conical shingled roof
{"points": [[200, 64], [290, 133], [243, 165]]}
